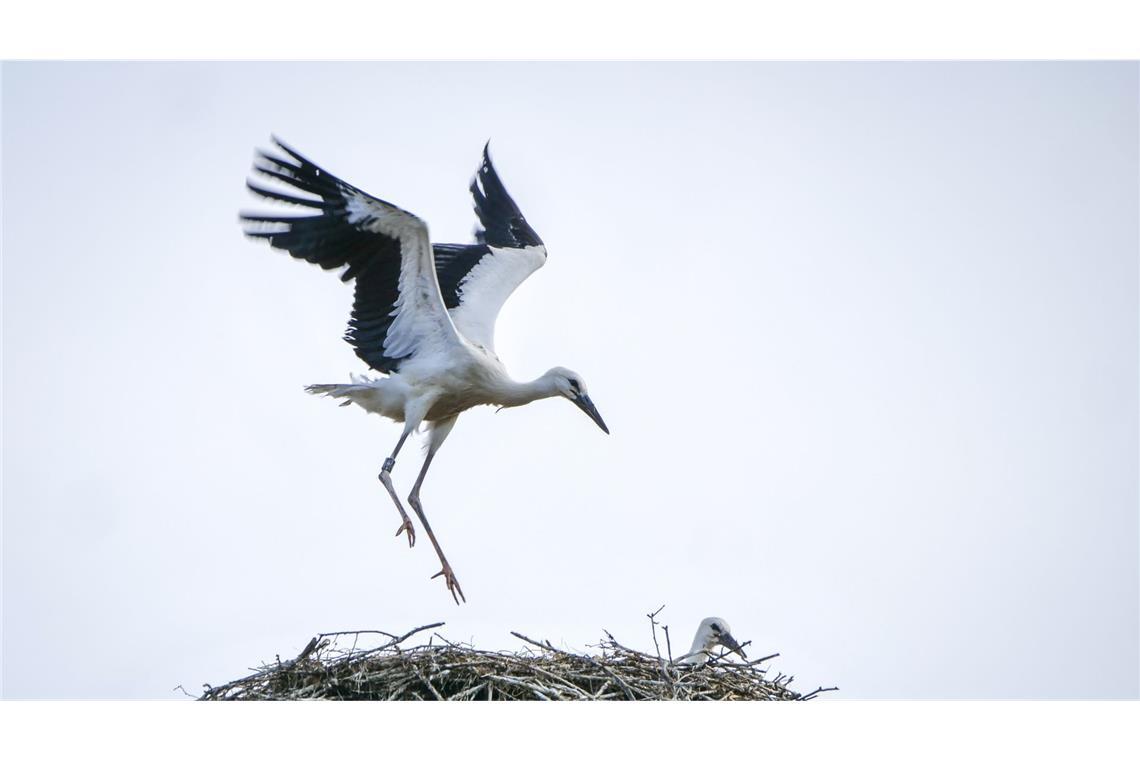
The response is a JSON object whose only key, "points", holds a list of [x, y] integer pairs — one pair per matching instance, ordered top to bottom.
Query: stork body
{"points": [[424, 315], [475, 380]]}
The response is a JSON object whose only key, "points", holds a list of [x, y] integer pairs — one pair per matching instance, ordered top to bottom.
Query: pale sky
{"points": [[866, 336]]}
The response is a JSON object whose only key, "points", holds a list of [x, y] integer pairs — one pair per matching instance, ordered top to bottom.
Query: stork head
{"points": [[570, 384], [714, 632]]}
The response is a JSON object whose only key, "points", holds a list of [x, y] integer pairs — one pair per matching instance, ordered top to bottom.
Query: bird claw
{"points": [[407, 526], [452, 583]]}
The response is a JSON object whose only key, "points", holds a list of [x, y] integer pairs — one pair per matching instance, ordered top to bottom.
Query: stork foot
{"points": [[406, 525], [410, 530], [452, 583]]}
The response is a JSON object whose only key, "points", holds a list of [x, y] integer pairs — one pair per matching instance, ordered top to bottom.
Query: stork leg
{"points": [[439, 432], [386, 479]]}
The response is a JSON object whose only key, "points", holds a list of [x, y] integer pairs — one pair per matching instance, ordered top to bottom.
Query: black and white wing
{"points": [[476, 280], [398, 309]]}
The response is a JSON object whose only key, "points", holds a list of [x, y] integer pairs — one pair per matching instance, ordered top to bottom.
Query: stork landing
{"points": [[424, 315]]}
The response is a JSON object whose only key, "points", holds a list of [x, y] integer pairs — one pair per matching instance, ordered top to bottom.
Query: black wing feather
{"points": [[503, 225], [330, 241], [452, 264]]}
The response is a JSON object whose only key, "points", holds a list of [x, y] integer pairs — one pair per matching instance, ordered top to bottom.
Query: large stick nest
{"points": [[352, 665]]}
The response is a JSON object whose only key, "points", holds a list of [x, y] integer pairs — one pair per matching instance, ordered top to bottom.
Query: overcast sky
{"points": [[866, 336]]}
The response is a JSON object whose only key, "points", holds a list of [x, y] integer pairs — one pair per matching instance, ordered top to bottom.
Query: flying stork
{"points": [[424, 314]]}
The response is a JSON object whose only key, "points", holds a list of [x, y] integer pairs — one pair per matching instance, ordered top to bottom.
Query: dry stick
{"points": [[653, 627], [345, 633], [411, 633], [355, 641], [396, 641], [445, 641], [547, 646], [620, 646], [655, 646], [307, 650], [633, 652], [718, 657], [537, 669], [664, 669], [269, 670], [617, 679], [426, 682], [235, 685], [532, 688], [470, 690]]}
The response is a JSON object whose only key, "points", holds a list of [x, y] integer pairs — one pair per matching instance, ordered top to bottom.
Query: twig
{"points": [[653, 627], [346, 633], [400, 639], [614, 641], [538, 644], [308, 649], [718, 657], [664, 667], [617, 679], [426, 682], [817, 692]]}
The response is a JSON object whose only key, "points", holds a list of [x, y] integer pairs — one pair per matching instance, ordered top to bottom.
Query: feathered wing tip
{"points": [[292, 153], [301, 164], [299, 173], [503, 225], [350, 230]]}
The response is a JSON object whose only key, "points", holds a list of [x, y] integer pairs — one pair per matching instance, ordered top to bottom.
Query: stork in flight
{"points": [[424, 314]]}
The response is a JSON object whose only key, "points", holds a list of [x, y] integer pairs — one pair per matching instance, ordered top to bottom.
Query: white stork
{"points": [[424, 314], [711, 633]]}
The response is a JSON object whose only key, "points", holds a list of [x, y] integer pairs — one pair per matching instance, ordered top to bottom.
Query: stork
{"points": [[423, 314], [711, 633]]}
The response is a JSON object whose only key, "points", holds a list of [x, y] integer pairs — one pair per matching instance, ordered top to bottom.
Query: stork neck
{"points": [[517, 394], [702, 645]]}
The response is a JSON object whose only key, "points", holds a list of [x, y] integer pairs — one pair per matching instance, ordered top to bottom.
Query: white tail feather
{"points": [[337, 391]]}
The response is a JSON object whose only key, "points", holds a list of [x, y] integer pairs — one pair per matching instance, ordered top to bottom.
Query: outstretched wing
{"points": [[475, 280], [398, 308]]}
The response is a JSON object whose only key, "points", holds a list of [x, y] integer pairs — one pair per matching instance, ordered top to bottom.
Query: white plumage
{"points": [[488, 285], [424, 315], [711, 633]]}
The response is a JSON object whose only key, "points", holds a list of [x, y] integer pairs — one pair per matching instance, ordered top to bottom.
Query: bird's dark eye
{"points": [[574, 385], [715, 627]]}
